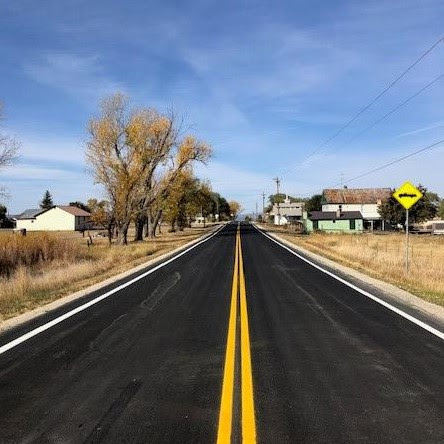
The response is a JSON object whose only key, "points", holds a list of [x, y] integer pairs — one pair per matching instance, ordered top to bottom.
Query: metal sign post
{"points": [[407, 195], [406, 241]]}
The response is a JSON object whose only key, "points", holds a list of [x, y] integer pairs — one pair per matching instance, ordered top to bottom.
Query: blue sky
{"points": [[264, 82]]}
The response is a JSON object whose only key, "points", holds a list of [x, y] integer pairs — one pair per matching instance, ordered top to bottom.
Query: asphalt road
{"points": [[150, 362]]}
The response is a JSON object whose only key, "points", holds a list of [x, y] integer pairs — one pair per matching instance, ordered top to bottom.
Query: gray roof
{"points": [[30, 214], [332, 215]]}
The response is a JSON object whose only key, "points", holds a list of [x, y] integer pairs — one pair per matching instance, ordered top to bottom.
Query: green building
{"points": [[334, 221]]}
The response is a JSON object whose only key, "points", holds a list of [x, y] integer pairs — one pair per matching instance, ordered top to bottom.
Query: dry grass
{"points": [[31, 251], [383, 256], [42, 267]]}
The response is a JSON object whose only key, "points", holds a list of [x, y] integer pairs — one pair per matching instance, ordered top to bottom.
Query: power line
{"points": [[372, 102], [396, 108], [381, 167]]}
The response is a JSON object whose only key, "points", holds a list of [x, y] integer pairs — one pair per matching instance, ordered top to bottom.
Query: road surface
{"points": [[235, 338]]}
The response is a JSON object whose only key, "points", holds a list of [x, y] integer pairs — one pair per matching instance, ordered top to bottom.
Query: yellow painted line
{"points": [[226, 405], [248, 417]]}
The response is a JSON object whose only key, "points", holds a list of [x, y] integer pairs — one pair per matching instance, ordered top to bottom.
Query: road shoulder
{"points": [[413, 305]]}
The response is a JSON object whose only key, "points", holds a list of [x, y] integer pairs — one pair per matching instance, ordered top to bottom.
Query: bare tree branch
{"points": [[9, 148]]}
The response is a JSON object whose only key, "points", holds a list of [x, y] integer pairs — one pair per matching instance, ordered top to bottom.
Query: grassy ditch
{"points": [[383, 256], [41, 267]]}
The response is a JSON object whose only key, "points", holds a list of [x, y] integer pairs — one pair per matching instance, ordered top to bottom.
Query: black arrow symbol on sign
{"points": [[407, 195]]}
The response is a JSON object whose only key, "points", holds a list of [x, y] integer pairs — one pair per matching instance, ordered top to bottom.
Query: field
{"points": [[383, 256], [41, 267]]}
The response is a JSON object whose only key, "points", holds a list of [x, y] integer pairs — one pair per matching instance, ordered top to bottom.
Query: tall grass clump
{"points": [[34, 250]]}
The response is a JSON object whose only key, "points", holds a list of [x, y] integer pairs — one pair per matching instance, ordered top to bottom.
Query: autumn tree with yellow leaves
{"points": [[184, 153], [137, 155], [189, 196], [235, 208], [174, 211]]}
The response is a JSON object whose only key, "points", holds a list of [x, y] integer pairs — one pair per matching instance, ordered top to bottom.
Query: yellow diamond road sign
{"points": [[407, 195]]}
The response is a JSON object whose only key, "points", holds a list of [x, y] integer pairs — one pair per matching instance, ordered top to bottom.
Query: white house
{"points": [[364, 200], [287, 212], [58, 218]]}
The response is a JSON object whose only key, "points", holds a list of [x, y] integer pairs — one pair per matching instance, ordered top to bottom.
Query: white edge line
{"points": [[405, 315], [58, 320]]}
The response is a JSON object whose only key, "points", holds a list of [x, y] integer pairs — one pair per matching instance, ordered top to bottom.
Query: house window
{"points": [[340, 207], [352, 224], [315, 225]]}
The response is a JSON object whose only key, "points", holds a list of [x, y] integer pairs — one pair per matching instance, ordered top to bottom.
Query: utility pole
{"points": [[278, 183], [255, 216]]}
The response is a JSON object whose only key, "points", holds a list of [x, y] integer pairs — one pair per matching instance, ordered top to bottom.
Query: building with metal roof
{"points": [[364, 200]]}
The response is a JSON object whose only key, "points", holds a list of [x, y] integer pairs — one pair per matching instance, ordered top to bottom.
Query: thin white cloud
{"points": [[296, 62], [81, 76], [422, 130], [52, 149], [36, 172], [26, 183]]}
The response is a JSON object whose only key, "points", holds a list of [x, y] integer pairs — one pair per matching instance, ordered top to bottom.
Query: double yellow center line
{"points": [[247, 400]]}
